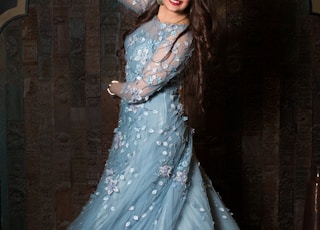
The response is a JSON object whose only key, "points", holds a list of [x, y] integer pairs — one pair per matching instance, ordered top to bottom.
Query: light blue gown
{"points": [[151, 179]]}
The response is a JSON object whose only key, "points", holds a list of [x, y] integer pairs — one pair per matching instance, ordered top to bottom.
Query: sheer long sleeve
{"points": [[137, 6], [165, 64]]}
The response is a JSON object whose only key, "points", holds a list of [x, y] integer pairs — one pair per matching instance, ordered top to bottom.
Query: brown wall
{"points": [[258, 138]]}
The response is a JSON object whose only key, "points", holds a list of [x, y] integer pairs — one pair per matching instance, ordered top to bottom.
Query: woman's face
{"points": [[176, 6]]}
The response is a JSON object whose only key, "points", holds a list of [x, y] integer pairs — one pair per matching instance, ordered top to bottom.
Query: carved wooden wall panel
{"points": [[315, 59], [12, 87], [65, 97], [3, 135], [252, 152]]}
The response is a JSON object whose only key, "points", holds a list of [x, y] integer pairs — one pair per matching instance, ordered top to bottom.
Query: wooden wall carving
{"points": [[315, 6], [12, 9], [12, 152]]}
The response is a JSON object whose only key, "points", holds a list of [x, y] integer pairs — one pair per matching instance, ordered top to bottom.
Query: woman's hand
{"points": [[110, 85], [114, 88]]}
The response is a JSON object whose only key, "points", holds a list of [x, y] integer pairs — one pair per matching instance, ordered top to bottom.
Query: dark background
{"points": [[7, 4], [258, 138]]}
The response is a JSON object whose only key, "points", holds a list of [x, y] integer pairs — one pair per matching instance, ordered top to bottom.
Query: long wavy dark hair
{"points": [[203, 26]]}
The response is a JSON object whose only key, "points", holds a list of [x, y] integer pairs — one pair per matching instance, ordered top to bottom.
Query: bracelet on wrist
{"points": [[109, 91]]}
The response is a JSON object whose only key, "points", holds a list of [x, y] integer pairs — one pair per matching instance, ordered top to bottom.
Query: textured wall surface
{"points": [[258, 138]]}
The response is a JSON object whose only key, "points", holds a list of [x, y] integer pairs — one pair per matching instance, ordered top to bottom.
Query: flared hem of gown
{"points": [[202, 209]]}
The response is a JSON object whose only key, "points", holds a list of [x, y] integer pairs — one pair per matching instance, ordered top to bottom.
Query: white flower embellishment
{"points": [[142, 55], [165, 171], [181, 177], [111, 185]]}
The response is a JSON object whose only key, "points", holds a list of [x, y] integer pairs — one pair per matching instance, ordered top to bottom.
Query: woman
{"points": [[151, 179]]}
